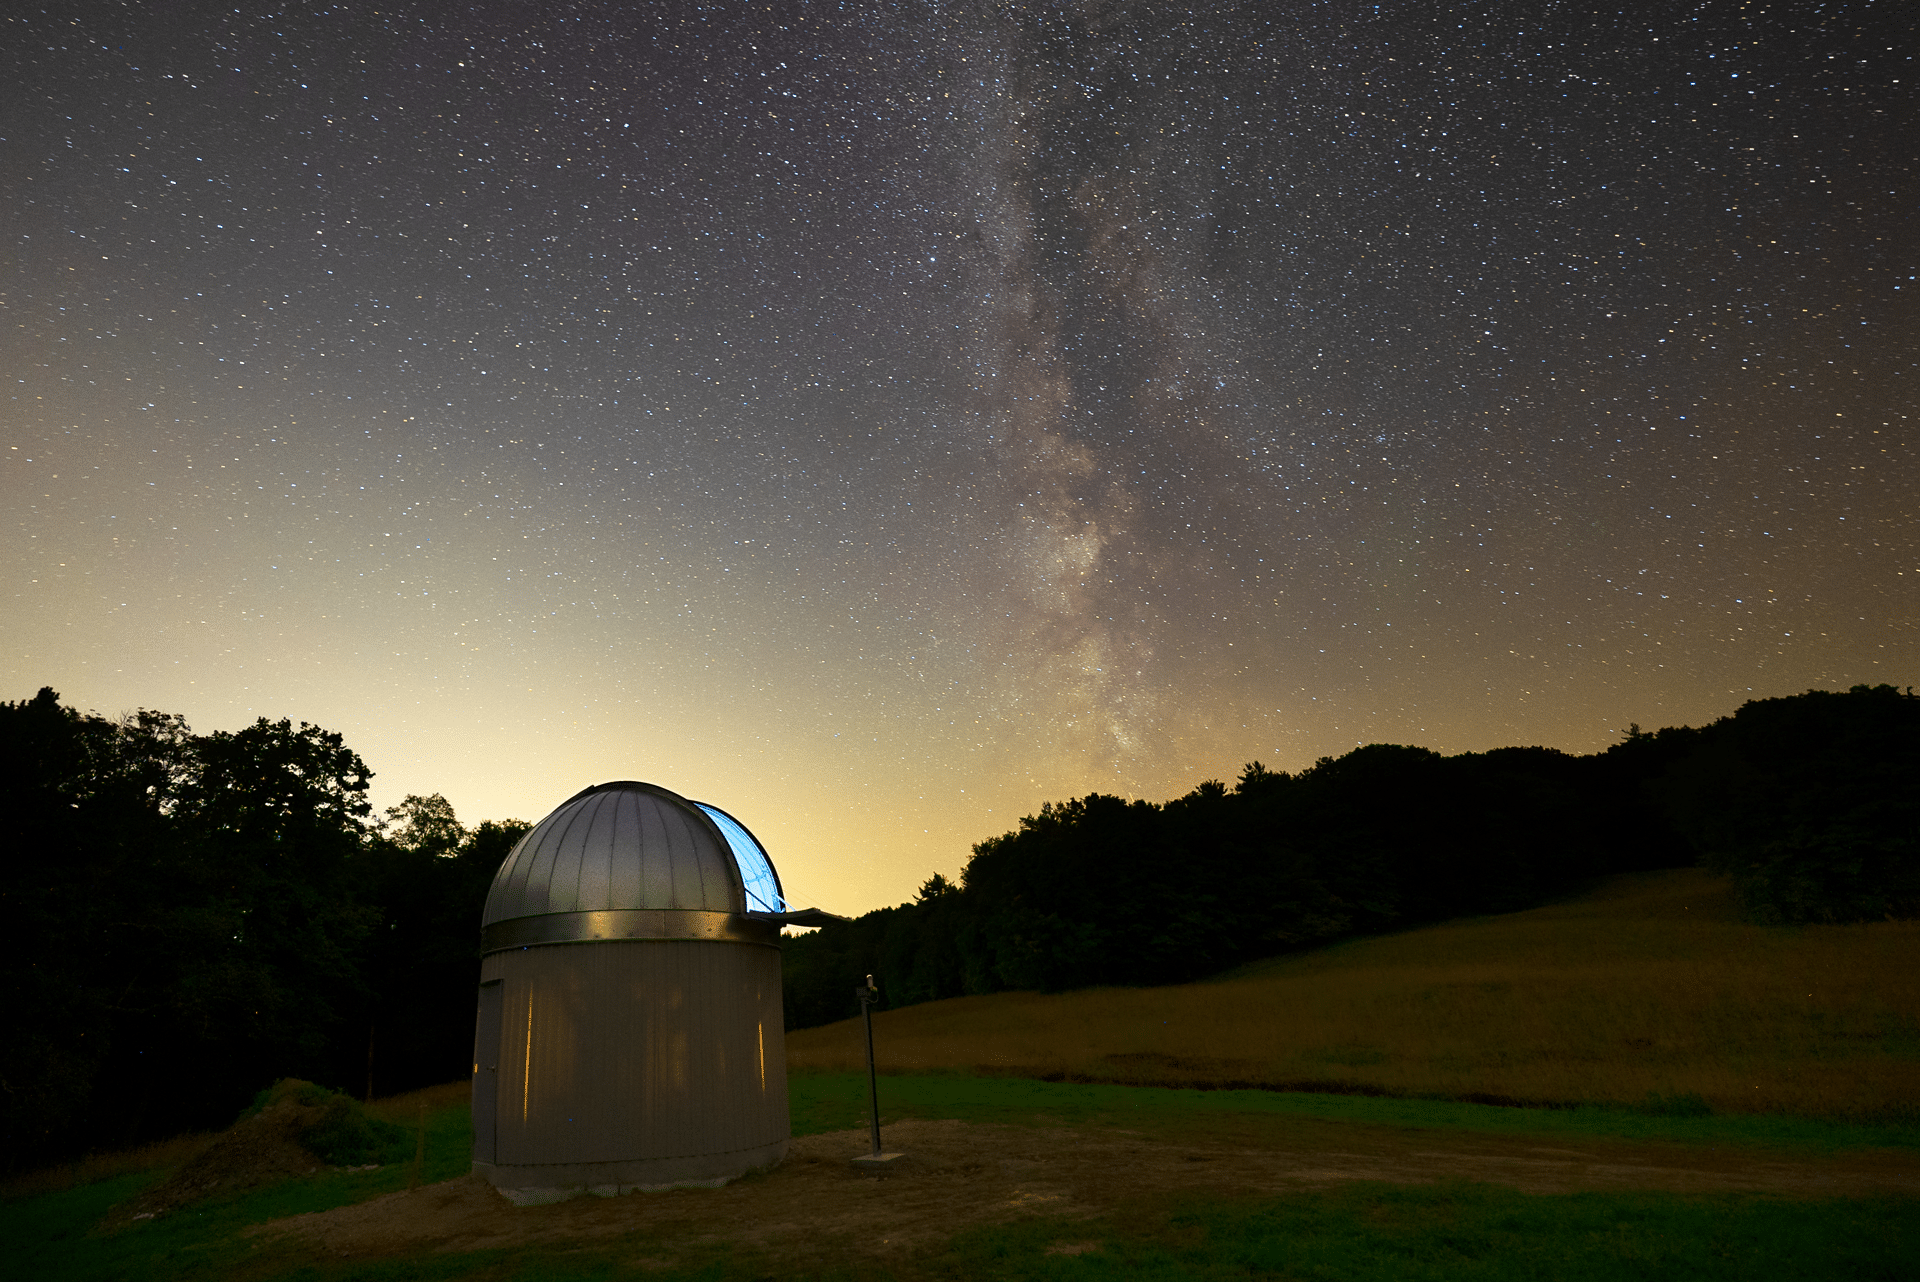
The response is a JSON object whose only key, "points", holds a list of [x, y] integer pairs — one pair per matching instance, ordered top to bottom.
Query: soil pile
{"points": [[276, 1139]]}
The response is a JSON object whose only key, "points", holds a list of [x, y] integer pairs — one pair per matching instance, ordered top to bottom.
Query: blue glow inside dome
{"points": [[756, 870]]}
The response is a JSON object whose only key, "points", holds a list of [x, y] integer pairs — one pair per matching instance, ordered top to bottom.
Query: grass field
{"points": [[1649, 987], [1672, 1026], [838, 1101], [49, 1221], [1354, 1231], [1411, 1234]]}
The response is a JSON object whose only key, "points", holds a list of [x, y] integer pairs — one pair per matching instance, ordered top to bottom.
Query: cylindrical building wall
{"points": [[627, 1063]]}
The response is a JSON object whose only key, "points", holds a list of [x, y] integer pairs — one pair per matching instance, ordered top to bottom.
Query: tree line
{"points": [[1811, 803], [192, 916]]}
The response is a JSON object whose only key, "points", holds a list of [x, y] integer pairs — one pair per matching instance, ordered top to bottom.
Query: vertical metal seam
{"points": [[584, 816], [554, 842], [680, 862]]}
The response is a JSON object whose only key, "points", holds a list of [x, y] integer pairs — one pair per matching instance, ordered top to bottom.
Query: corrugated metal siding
{"points": [[615, 1052]]}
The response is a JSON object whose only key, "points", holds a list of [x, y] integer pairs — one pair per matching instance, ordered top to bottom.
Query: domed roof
{"points": [[621, 860]]}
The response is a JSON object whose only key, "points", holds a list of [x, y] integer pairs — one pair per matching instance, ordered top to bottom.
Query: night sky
{"points": [[879, 419]]}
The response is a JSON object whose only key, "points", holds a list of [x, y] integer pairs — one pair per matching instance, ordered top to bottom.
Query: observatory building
{"points": [[630, 1031]]}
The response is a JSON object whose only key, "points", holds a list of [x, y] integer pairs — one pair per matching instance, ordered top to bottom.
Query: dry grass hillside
{"points": [[1648, 986]]}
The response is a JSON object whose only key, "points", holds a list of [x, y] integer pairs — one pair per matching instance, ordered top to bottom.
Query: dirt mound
{"points": [[266, 1146], [815, 1211]]}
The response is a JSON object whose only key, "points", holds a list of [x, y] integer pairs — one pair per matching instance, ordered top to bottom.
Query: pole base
{"points": [[878, 1163]]}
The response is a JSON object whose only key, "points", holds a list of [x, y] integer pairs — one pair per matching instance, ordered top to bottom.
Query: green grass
{"points": [[1647, 984], [838, 1101], [1352, 1231], [1357, 1231], [1463, 1231], [51, 1235]]}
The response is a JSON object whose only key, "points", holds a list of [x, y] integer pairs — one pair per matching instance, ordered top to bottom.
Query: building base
{"points": [[536, 1185]]}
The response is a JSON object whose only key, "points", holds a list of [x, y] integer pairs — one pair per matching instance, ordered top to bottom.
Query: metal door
{"points": [[486, 1070]]}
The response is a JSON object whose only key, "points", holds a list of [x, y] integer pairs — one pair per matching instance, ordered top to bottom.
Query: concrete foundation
{"points": [[878, 1163], [541, 1183]]}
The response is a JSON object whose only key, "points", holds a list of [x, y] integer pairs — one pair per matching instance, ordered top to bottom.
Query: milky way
{"points": [[879, 419]]}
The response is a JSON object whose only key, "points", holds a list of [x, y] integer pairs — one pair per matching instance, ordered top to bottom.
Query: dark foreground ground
{"points": [[1010, 1178], [816, 1213]]}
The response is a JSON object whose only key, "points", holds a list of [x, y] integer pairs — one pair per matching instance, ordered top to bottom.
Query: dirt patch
{"points": [[816, 1208]]}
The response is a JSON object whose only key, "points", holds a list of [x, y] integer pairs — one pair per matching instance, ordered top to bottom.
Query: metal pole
{"points": [[873, 1082], [419, 1149]]}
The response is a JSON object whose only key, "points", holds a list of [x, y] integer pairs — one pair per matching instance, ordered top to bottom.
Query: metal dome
{"points": [[623, 860]]}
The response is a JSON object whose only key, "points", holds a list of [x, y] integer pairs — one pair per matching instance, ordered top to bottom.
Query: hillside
{"points": [[1810, 803], [1650, 985]]}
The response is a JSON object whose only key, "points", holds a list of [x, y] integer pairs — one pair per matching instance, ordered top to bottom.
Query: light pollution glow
{"points": [[880, 420]]}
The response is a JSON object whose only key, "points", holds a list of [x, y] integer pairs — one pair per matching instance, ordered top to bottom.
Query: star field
{"points": [[879, 419]]}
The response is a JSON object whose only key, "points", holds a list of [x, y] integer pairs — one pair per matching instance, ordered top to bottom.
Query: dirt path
{"points": [[816, 1207]]}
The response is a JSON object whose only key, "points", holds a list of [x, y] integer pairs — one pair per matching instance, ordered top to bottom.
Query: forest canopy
{"points": [[1811, 803], [193, 916]]}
